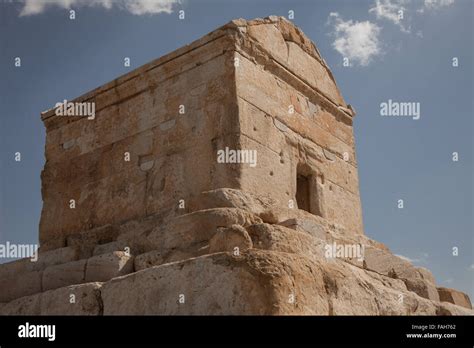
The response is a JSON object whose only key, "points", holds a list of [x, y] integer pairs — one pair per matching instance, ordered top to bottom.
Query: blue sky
{"points": [[405, 59]]}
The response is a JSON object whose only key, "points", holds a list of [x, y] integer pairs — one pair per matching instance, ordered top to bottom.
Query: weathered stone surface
{"points": [[231, 198], [308, 226], [192, 232], [230, 238], [279, 238], [85, 242], [109, 247], [55, 257], [44, 259], [149, 259], [384, 262], [107, 266], [15, 267], [63, 275], [426, 275], [262, 282], [209, 284], [19, 285], [423, 288], [455, 297], [72, 300], [87, 300], [28, 305], [445, 308]]}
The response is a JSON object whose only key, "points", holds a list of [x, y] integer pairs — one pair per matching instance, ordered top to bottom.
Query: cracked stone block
{"points": [[107, 266]]}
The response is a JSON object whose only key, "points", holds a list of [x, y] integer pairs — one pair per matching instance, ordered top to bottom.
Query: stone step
{"points": [[45, 259], [102, 267], [256, 282], [454, 296], [81, 299]]}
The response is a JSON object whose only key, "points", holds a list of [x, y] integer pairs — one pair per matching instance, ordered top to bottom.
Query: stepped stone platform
{"points": [[140, 217]]}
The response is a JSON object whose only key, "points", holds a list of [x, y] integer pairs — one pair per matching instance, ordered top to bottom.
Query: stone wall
{"points": [[172, 155]]}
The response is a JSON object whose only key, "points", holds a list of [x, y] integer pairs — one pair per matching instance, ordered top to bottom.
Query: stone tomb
{"points": [[140, 216]]}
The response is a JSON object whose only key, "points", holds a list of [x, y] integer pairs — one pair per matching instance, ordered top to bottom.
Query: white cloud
{"points": [[436, 4], [136, 7], [140, 7], [390, 10], [358, 41], [406, 258], [421, 259], [471, 267]]}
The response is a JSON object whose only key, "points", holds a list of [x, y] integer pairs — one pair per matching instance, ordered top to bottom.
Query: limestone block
{"points": [[271, 39], [314, 72], [267, 174], [231, 198], [343, 206], [276, 214], [306, 225], [191, 231], [229, 238], [283, 239], [85, 242], [106, 248], [55, 257], [45, 259], [149, 259], [384, 262], [107, 266], [15, 267], [426, 274], [63, 275], [211, 284], [19, 285], [423, 288], [454, 296], [81, 299], [27, 305], [446, 308]]}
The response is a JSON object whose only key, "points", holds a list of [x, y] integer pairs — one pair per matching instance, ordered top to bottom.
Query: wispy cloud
{"points": [[437, 4], [136, 7], [391, 10], [358, 41], [361, 41], [422, 258]]}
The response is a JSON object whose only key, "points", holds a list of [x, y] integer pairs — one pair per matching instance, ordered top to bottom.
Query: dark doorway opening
{"points": [[303, 192]]}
